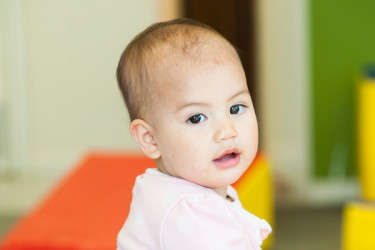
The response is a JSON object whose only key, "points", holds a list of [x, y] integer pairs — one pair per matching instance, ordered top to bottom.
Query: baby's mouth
{"points": [[228, 159]]}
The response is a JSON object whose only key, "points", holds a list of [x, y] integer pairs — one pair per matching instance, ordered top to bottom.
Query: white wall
{"points": [[2, 27], [284, 87], [2, 91]]}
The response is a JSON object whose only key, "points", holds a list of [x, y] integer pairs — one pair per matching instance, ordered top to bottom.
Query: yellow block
{"points": [[366, 138], [255, 192], [359, 226]]}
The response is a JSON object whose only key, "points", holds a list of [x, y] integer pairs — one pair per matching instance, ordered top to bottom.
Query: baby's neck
{"points": [[222, 191]]}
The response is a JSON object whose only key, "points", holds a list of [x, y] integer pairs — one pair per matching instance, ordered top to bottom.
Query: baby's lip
{"points": [[227, 153]]}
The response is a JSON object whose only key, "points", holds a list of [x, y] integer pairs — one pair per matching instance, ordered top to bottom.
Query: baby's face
{"points": [[204, 125]]}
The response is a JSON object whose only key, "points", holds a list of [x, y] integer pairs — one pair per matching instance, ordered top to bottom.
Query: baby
{"points": [[191, 112]]}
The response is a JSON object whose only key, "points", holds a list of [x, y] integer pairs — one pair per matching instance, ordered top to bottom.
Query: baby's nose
{"points": [[226, 130]]}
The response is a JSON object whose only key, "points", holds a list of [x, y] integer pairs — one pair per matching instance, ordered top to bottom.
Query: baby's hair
{"points": [[158, 49]]}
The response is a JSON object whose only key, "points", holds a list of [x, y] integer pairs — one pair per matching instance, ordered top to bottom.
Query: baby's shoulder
{"points": [[210, 220]]}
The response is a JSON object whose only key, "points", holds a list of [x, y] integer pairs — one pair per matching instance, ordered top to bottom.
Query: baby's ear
{"points": [[142, 132]]}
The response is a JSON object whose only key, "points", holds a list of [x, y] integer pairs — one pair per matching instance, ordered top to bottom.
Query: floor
{"points": [[6, 221], [295, 229], [308, 229]]}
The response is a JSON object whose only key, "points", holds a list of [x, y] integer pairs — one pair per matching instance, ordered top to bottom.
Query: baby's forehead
{"points": [[207, 47], [169, 58], [173, 60]]}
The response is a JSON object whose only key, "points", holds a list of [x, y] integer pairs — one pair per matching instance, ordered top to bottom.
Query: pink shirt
{"points": [[170, 213]]}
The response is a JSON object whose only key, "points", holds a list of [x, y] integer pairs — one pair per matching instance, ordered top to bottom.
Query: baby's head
{"points": [[187, 97]]}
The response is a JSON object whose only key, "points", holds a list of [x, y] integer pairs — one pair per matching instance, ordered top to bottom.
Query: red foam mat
{"points": [[86, 210]]}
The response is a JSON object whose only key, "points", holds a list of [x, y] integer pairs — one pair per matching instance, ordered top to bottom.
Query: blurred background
{"points": [[59, 98]]}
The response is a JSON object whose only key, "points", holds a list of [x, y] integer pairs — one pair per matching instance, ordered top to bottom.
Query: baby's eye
{"points": [[236, 109], [198, 118]]}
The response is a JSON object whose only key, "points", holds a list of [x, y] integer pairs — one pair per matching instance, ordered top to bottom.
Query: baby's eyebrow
{"points": [[242, 92], [189, 104]]}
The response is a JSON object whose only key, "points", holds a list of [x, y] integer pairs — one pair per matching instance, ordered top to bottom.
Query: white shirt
{"points": [[170, 213]]}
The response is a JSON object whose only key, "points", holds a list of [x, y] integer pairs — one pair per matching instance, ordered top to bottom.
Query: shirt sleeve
{"points": [[206, 222]]}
